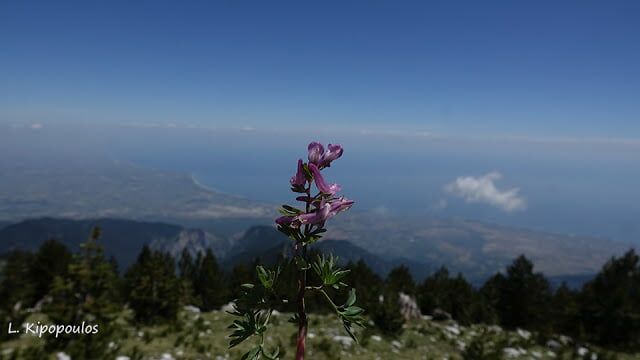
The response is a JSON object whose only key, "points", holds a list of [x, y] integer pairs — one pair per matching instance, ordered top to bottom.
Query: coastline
{"points": [[203, 186]]}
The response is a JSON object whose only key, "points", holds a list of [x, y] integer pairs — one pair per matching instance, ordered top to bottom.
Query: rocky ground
{"points": [[203, 336]]}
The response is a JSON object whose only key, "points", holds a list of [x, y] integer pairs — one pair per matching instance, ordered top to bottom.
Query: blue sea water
{"points": [[575, 188]]}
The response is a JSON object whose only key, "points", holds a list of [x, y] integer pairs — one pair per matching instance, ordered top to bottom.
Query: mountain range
{"points": [[123, 240]]}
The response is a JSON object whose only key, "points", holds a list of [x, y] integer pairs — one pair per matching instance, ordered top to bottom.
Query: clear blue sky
{"points": [[539, 68]]}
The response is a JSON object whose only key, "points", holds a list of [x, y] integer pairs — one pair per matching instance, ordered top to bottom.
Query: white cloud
{"points": [[36, 126], [482, 189]]}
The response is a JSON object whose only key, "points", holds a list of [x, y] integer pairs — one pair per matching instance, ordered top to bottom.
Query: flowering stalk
{"points": [[304, 227]]}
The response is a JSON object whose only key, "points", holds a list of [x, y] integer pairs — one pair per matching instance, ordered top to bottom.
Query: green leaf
{"points": [[292, 210], [318, 231], [310, 239], [328, 272], [263, 276], [267, 277], [352, 298], [353, 311], [244, 327], [349, 330], [253, 353]]}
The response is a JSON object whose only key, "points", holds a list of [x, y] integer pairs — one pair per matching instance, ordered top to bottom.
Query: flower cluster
{"points": [[325, 204], [304, 226]]}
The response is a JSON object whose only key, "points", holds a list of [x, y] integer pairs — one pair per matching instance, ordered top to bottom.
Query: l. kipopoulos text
{"points": [[39, 329]]}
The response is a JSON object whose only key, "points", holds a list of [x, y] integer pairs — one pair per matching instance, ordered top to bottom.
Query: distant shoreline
{"points": [[201, 185], [208, 188]]}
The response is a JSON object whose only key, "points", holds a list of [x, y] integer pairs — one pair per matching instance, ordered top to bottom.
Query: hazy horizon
{"points": [[570, 186]]}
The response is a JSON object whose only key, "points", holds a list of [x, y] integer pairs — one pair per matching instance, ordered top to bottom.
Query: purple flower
{"points": [[316, 150], [333, 152], [322, 158], [298, 179], [320, 183], [340, 204], [325, 205], [324, 211], [319, 216], [285, 220]]}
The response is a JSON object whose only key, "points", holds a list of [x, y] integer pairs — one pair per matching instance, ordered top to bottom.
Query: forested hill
{"points": [[123, 240], [268, 245], [422, 251]]}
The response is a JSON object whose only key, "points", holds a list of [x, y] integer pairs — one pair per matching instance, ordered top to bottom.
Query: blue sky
{"points": [[477, 68]]}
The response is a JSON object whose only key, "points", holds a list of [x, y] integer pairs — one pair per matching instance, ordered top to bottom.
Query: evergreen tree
{"points": [[51, 260], [187, 271], [241, 274], [400, 280], [210, 284], [369, 286], [152, 287], [16, 291], [85, 295], [453, 295], [524, 297], [610, 303], [484, 308], [564, 312], [386, 314]]}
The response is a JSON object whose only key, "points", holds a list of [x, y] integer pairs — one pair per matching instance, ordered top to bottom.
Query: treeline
{"points": [[86, 286]]}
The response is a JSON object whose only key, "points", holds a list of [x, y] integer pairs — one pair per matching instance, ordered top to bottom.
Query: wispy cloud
{"points": [[483, 189]]}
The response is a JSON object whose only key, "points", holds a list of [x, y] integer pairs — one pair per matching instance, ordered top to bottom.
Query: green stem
{"points": [[335, 307]]}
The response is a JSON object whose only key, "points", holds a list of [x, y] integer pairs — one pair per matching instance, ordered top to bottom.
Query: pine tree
{"points": [[51, 260], [187, 272], [241, 274], [400, 280], [210, 284], [369, 286], [152, 287], [16, 291], [433, 292], [86, 294], [453, 295], [524, 297], [610, 303], [484, 308], [564, 311], [386, 314]]}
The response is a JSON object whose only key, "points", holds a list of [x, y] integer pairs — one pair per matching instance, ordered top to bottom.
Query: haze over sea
{"points": [[575, 186]]}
